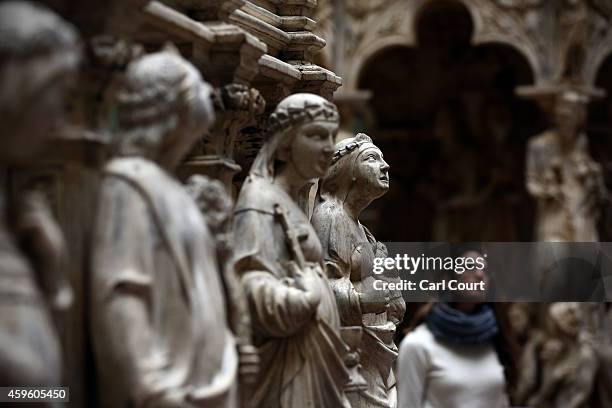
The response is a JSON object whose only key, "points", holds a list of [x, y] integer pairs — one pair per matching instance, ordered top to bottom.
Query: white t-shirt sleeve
{"points": [[413, 367]]}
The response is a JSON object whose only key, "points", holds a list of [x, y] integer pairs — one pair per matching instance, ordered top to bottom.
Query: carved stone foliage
{"points": [[237, 106]]}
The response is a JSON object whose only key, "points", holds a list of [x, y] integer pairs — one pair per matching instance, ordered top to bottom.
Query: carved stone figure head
{"points": [[39, 56], [163, 108], [570, 115], [301, 130], [358, 167], [212, 199], [566, 317]]}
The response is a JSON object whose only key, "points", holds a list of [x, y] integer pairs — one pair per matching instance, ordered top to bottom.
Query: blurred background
{"points": [[452, 91]]}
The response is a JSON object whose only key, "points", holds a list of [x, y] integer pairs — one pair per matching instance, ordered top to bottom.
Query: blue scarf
{"points": [[451, 325]]}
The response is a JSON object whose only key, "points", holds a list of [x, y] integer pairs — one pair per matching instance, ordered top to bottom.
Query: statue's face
{"points": [[312, 148], [372, 173], [567, 317]]}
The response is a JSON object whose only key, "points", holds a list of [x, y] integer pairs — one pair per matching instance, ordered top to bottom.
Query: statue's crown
{"points": [[290, 116], [342, 149]]}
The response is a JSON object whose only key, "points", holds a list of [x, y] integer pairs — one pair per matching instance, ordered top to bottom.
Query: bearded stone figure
{"points": [[39, 55], [358, 176], [279, 260], [159, 326]]}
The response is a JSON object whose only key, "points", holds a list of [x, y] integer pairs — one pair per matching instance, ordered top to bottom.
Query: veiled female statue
{"points": [[39, 56], [359, 175], [279, 260], [159, 325]]}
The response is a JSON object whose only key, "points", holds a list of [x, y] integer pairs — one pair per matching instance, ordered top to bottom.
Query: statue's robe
{"points": [[350, 250], [158, 313], [29, 347], [302, 355]]}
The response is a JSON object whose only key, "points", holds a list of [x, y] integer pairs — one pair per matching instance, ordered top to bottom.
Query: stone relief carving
{"points": [[39, 55], [358, 176], [278, 258], [159, 325]]}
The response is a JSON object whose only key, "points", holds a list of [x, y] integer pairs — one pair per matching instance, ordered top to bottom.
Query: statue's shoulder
{"points": [[134, 168], [143, 177], [258, 194], [327, 211], [330, 219]]}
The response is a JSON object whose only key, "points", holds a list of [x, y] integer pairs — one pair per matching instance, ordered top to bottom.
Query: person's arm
{"points": [[412, 370]]}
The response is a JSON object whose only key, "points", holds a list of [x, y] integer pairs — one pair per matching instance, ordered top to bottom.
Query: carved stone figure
{"points": [[39, 55], [358, 176], [563, 178], [279, 260], [159, 326], [568, 360]]}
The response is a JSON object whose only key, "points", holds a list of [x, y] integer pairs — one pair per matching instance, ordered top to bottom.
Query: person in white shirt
{"points": [[452, 359]]}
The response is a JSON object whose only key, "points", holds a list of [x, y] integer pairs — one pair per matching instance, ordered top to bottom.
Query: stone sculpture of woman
{"points": [[39, 55], [561, 175], [358, 176], [279, 260], [159, 326]]}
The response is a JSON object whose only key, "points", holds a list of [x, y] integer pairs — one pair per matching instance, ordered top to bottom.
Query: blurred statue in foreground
{"points": [[39, 55], [358, 176], [566, 182], [279, 260], [159, 325]]}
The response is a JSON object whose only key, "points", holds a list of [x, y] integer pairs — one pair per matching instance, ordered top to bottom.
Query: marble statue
{"points": [[39, 56], [359, 175], [566, 182], [279, 260], [158, 315], [568, 360]]}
